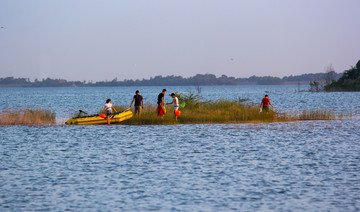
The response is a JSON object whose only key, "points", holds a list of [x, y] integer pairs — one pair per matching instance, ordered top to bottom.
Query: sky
{"points": [[97, 40]]}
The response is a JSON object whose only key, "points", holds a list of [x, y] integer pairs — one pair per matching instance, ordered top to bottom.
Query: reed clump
{"points": [[200, 111], [222, 111], [211, 112], [315, 114], [322, 114], [27, 117]]}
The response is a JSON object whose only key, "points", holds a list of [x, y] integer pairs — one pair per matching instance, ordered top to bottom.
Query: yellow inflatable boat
{"points": [[115, 118]]}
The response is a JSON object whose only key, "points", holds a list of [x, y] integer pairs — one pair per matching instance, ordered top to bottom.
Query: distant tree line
{"points": [[330, 75], [313, 77], [197, 80], [349, 81], [25, 82]]}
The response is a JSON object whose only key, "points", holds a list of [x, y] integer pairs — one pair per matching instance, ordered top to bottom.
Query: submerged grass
{"points": [[27, 117]]}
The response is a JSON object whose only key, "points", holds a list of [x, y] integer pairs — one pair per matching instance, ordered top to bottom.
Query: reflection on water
{"points": [[311, 165]]}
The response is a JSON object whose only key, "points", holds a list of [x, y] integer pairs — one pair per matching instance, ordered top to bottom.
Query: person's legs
{"points": [[163, 108], [175, 109], [265, 109], [158, 110], [137, 111], [161, 111], [108, 116]]}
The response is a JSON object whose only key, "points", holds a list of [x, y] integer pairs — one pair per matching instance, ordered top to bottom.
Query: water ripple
{"points": [[279, 166]]}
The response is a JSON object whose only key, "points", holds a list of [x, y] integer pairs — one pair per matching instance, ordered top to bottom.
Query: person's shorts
{"points": [[176, 108], [265, 108], [137, 109], [160, 110], [108, 113]]}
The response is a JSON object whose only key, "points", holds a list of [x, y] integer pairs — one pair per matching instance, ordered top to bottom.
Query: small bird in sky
{"points": [[232, 59]]}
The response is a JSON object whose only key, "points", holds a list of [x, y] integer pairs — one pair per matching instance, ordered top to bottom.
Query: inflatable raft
{"points": [[115, 118]]}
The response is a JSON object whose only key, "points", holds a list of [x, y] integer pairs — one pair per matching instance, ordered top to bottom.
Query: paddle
{"points": [[122, 111]]}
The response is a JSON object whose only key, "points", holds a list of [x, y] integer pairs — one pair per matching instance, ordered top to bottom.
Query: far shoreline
{"points": [[106, 86]]}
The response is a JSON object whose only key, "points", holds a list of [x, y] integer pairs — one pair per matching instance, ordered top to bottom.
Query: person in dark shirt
{"points": [[139, 103], [161, 108]]}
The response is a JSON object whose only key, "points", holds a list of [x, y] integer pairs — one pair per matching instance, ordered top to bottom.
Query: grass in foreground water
{"points": [[27, 117]]}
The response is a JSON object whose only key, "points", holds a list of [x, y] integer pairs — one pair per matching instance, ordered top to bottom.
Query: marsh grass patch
{"points": [[27, 117]]}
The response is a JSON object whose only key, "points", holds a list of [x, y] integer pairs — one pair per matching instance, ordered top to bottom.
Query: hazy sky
{"points": [[135, 39]]}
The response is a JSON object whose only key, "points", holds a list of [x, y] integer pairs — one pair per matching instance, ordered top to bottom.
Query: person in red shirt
{"points": [[265, 103]]}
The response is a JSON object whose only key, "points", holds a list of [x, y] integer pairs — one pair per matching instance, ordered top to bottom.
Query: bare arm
{"points": [[132, 101], [171, 102], [142, 103], [271, 104], [113, 108]]}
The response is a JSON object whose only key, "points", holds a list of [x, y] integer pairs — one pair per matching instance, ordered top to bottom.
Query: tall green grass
{"points": [[198, 111], [27, 117]]}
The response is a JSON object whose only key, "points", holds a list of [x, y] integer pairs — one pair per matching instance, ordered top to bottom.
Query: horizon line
{"points": [[92, 81]]}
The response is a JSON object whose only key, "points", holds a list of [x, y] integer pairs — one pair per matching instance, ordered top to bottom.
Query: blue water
{"points": [[65, 101], [313, 165]]}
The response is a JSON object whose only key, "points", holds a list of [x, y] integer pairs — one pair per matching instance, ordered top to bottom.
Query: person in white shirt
{"points": [[176, 104], [108, 107]]}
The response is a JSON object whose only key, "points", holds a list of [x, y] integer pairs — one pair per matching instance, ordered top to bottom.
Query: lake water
{"points": [[66, 101], [312, 165]]}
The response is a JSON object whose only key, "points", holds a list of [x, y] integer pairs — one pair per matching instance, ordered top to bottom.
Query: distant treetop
{"points": [[350, 80]]}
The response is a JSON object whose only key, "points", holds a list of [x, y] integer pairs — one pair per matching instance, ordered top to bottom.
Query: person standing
{"points": [[139, 103], [265, 103], [176, 104], [108, 107], [161, 108]]}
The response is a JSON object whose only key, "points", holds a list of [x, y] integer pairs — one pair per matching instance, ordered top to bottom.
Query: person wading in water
{"points": [[265, 103], [108, 107]]}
